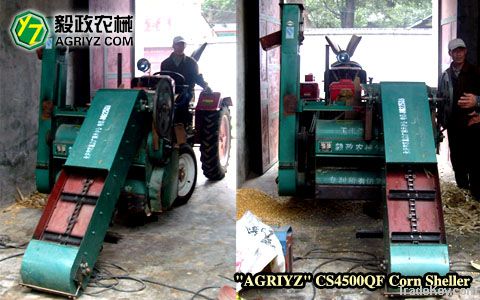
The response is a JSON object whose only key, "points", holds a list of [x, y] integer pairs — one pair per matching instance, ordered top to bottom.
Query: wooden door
{"points": [[269, 22], [104, 60]]}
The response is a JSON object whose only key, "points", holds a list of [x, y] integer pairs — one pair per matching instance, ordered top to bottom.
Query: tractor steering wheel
{"points": [[179, 78]]}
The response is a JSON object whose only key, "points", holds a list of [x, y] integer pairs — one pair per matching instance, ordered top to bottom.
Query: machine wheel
{"points": [[215, 140], [187, 175]]}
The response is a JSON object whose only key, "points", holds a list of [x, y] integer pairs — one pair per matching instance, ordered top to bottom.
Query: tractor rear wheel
{"points": [[215, 141], [187, 174]]}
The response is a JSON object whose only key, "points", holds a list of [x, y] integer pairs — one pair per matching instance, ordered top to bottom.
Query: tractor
{"points": [[208, 124], [363, 140], [119, 157]]}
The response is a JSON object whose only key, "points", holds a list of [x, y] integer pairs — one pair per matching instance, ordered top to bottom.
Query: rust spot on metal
{"points": [[271, 40], [289, 104], [47, 109]]}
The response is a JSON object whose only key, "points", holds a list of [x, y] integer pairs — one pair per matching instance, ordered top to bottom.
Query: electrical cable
{"points": [[5, 243], [11, 256], [372, 263], [225, 277], [105, 279], [115, 287], [177, 288], [203, 289]]}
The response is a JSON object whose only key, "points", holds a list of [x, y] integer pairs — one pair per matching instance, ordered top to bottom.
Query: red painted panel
{"points": [[269, 22], [103, 65], [112, 65], [96, 69], [112, 83], [208, 101], [265, 135], [274, 142], [74, 185], [51, 204], [63, 210], [397, 210], [57, 213], [428, 213], [398, 216], [83, 220], [428, 220], [59, 221]]}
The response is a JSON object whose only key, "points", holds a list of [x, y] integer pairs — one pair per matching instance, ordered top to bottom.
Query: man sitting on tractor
{"points": [[178, 62]]}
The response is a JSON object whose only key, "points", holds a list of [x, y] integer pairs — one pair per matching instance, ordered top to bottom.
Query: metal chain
{"points": [[87, 183], [412, 215]]}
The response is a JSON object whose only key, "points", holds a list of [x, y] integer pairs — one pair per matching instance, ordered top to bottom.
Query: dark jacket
{"points": [[188, 67], [468, 81]]}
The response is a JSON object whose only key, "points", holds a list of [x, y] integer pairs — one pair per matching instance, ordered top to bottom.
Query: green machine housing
{"points": [[117, 155]]}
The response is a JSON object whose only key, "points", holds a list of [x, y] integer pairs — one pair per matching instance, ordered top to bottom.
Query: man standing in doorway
{"points": [[180, 63], [461, 81]]}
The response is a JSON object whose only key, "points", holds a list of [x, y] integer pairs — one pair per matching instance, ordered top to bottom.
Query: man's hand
{"points": [[207, 90], [467, 101]]}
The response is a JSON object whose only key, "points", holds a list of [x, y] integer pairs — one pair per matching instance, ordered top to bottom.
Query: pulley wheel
{"points": [[163, 108]]}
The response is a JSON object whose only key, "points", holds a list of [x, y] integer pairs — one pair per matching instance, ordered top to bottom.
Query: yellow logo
{"points": [[29, 30]]}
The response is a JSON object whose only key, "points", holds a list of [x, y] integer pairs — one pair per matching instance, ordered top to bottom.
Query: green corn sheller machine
{"points": [[362, 141]]}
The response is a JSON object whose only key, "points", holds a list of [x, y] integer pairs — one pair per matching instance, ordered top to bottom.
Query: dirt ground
{"points": [[190, 247]]}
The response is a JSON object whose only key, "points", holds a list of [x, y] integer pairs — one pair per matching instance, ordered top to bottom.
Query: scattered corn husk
{"points": [[34, 200], [259, 203], [271, 210], [277, 210], [461, 211]]}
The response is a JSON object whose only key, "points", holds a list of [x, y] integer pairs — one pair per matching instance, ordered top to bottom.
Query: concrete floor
{"points": [[332, 225], [190, 247]]}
